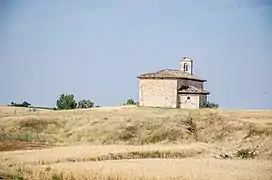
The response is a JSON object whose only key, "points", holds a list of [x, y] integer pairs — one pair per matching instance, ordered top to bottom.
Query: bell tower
{"points": [[186, 65]]}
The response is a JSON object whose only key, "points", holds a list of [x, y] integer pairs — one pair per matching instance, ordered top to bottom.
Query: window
{"points": [[185, 67]]}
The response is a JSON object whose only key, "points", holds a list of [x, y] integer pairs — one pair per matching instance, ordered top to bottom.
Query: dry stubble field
{"points": [[135, 143]]}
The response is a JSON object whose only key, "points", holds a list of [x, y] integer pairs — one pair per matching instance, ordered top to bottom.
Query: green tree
{"points": [[66, 101], [130, 101], [26, 104], [85, 104]]}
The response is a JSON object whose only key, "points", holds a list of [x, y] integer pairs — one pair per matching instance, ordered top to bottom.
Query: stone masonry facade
{"points": [[172, 88], [158, 93], [163, 93], [188, 101], [191, 101]]}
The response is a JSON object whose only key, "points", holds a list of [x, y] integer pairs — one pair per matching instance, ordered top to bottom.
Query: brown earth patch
{"points": [[18, 145]]}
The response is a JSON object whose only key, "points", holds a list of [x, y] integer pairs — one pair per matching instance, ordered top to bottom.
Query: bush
{"points": [[66, 101], [130, 101], [24, 104], [85, 104], [209, 105], [245, 153], [57, 176]]}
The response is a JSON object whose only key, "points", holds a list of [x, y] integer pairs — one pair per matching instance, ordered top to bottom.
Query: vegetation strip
{"points": [[142, 155], [110, 156], [121, 156]]}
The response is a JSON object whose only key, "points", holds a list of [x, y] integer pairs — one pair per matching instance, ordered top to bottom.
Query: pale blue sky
{"points": [[95, 49]]}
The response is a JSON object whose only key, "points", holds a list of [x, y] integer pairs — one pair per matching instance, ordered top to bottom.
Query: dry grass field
{"points": [[128, 142]]}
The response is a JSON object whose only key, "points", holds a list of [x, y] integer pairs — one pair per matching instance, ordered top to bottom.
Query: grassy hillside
{"points": [[138, 126], [129, 132]]}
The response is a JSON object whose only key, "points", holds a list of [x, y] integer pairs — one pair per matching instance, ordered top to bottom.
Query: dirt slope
{"points": [[139, 139]]}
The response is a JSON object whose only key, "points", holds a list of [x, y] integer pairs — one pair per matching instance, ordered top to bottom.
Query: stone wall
{"points": [[158, 92], [188, 101]]}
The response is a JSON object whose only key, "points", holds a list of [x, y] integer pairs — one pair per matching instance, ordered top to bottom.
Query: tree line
{"points": [[67, 101], [23, 104]]}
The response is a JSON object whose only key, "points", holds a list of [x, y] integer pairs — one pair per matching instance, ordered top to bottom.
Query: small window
{"points": [[185, 67], [188, 98]]}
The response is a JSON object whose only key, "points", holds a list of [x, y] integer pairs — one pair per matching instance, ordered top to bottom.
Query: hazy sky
{"points": [[96, 49]]}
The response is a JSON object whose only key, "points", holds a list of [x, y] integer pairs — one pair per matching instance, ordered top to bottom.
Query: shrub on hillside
{"points": [[66, 101], [130, 101], [24, 104], [85, 104], [209, 105], [245, 153]]}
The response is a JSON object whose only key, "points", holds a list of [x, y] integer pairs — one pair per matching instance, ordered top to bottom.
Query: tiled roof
{"points": [[170, 73], [192, 90]]}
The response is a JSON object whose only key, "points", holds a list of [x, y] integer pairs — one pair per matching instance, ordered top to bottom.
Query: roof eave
{"points": [[142, 77], [195, 79], [205, 93]]}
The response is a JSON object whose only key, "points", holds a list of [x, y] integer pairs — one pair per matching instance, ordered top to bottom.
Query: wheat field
{"points": [[130, 142]]}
